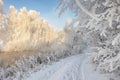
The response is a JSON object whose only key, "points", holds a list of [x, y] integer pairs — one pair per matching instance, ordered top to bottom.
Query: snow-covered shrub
{"points": [[103, 55], [107, 60], [28, 64], [111, 65], [22, 67], [7, 73]]}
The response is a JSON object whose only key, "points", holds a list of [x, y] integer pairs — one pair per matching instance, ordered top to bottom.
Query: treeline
{"points": [[24, 30]]}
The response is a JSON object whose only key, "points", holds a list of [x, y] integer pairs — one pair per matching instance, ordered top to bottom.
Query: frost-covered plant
{"points": [[20, 28], [103, 55], [28, 64], [110, 65], [23, 67]]}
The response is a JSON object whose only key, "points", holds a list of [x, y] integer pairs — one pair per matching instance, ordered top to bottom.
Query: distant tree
{"points": [[2, 24], [26, 30]]}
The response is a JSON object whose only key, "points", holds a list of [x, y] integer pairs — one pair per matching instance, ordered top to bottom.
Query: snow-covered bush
{"points": [[103, 55], [28, 64], [110, 65], [22, 67]]}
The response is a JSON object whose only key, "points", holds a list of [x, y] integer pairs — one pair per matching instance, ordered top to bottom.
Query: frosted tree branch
{"points": [[86, 11]]}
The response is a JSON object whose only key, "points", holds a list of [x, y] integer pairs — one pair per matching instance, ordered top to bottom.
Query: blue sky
{"points": [[45, 7]]}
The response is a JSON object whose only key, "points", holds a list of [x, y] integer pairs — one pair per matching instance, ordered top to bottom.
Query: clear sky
{"points": [[45, 7]]}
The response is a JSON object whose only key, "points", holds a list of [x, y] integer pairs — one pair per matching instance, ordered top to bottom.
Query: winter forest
{"points": [[86, 48]]}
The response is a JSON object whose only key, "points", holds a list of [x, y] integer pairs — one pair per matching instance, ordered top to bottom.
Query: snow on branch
{"points": [[85, 10]]}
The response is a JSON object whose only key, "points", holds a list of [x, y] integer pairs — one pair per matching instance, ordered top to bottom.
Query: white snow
{"points": [[71, 68]]}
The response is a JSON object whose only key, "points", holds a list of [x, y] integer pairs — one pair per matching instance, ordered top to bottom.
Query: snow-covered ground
{"points": [[71, 68]]}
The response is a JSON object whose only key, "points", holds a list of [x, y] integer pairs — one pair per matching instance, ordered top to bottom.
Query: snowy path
{"points": [[71, 68], [66, 69]]}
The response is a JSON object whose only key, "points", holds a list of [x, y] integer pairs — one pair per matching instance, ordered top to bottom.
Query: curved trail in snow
{"points": [[71, 68], [66, 69], [82, 69]]}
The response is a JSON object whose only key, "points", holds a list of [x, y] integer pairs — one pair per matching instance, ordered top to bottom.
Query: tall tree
{"points": [[101, 18], [26, 30]]}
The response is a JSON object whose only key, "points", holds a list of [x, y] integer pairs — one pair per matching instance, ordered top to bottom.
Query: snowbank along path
{"points": [[71, 68], [66, 69]]}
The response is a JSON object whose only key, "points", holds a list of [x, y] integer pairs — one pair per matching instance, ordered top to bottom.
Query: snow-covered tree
{"points": [[1, 15], [102, 19], [2, 24], [26, 27]]}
